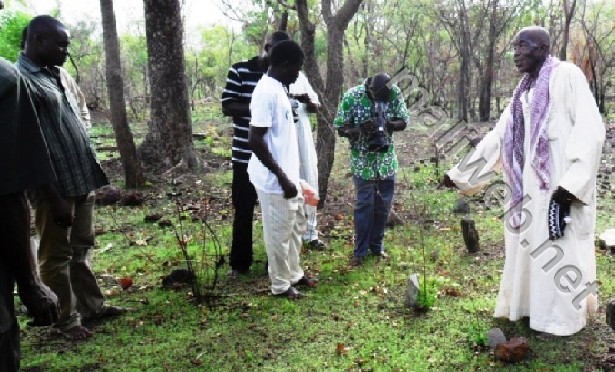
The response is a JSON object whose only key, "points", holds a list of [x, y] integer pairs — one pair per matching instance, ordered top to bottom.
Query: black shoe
{"points": [[316, 245], [356, 261]]}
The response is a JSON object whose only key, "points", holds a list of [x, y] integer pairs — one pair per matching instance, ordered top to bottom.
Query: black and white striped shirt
{"points": [[240, 83]]}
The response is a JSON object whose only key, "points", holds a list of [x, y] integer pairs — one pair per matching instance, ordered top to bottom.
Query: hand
{"points": [[303, 98], [395, 124], [367, 126], [349, 132], [446, 182], [289, 188], [563, 197], [559, 209], [62, 214], [42, 304]]}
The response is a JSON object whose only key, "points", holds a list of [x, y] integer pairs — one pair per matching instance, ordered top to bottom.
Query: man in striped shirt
{"points": [[240, 83]]}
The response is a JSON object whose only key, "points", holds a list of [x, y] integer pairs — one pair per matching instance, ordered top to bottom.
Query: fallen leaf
{"points": [[125, 282], [341, 349]]}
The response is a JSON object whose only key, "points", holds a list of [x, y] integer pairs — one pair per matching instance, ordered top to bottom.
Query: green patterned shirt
{"points": [[356, 108]]}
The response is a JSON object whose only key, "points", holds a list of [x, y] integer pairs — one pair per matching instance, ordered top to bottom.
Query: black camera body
{"points": [[378, 139]]}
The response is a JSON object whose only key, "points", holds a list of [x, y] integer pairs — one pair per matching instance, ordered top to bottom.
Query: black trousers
{"points": [[244, 200], [14, 232]]}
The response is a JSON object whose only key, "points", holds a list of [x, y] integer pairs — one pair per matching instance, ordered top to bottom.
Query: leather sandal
{"points": [[307, 282], [291, 293]]}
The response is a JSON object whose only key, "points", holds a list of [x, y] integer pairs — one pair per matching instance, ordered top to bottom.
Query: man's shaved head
{"points": [[537, 34], [47, 41], [532, 46]]}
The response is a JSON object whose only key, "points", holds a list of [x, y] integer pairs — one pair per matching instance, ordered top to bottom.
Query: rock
{"points": [[108, 195], [132, 198], [461, 207], [152, 217], [394, 219], [165, 223], [470, 235], [178, 276], [412, 291], [610, 313], [495, 336], [512, 351]]}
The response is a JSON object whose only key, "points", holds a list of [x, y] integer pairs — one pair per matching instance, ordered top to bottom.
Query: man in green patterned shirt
{"points": [[368, 115]]}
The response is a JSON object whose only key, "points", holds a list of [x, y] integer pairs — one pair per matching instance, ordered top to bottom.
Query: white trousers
{"points": [[284, 222]]}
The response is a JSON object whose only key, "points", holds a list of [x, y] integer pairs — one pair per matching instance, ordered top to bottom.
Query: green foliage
{"points": [[12, 23], [428, 293]]}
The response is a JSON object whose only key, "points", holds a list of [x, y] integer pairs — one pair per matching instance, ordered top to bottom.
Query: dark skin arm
{"points": [[235, 109], [396, 125], [349, 132], [256, 139], [39, 299]]}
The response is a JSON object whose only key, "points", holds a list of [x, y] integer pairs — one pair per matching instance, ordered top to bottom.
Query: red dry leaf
{"points": [[125, 282]]}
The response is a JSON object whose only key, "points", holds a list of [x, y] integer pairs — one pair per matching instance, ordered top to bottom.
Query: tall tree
{"points": [[569, 9], [115, 89], [331, 89], [169, 139]]}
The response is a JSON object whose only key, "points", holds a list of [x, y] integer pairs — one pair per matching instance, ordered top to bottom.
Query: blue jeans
{"points": [[374, 199]]}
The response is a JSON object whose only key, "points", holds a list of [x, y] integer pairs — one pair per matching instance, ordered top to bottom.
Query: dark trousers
{"points": [[374, 200], [244, 201], [14, 235]]}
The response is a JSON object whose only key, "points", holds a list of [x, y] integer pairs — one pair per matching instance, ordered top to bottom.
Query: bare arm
{"points": [[235, 109], [20, 258]]}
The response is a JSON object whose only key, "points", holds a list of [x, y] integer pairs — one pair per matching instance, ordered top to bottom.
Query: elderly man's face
{"points": [[529, 54]]}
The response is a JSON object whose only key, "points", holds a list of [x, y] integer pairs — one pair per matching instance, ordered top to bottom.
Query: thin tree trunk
{"points": [[133, 175]]}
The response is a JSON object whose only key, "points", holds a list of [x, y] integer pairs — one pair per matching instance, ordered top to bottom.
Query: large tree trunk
{"points": [[569, 8], [115, 90], [329, 94], [169, 138]]}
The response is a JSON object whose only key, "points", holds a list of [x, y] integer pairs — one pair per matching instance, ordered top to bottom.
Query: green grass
{"points": [[354, 320]]}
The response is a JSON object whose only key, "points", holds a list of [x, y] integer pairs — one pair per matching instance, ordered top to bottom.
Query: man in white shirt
{"points": [[274, 169]]}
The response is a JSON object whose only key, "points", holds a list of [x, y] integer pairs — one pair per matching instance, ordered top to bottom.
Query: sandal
{"points": [[308, 282], [291, 293], [108, 311], [76, 333]]}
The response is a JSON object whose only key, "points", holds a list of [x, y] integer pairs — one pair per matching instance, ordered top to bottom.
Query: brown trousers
{"points": [[64, 260]]}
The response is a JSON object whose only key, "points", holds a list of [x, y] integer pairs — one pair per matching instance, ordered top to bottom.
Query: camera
{"points": [[378, 140]]}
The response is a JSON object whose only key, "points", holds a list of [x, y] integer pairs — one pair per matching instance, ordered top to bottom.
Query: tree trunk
{"points": [[568, 14], [169, 138], [133, 175]]}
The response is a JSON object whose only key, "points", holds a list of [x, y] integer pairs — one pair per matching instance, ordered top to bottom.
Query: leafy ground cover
{"points": [[354, 320]]}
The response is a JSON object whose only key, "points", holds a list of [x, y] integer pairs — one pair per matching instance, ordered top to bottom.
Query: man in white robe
{"points": [[307, 102], [553, 282]]}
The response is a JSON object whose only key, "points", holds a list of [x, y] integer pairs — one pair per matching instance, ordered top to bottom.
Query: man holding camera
{"points": [[368, 115]]}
